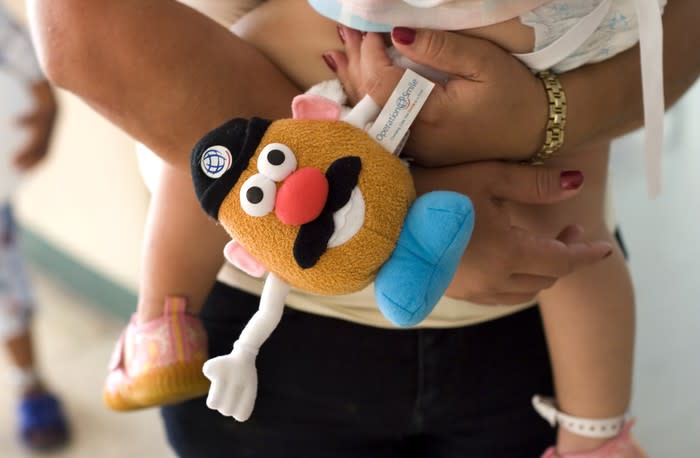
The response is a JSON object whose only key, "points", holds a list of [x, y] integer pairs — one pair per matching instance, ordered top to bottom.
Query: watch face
{"points": [[16, 102]]}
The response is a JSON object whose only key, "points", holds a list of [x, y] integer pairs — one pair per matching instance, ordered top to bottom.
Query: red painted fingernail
{"points": [[341, 34], [403, 35], [330, 62], [571, 179]]}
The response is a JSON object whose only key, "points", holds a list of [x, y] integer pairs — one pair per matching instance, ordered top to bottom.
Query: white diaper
{"points": [[617, 32]]}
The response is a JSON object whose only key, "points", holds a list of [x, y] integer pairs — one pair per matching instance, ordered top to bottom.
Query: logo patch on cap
{"points": [[216, 160]]}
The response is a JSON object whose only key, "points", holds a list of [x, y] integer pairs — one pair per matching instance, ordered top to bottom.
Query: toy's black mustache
{"points": [[313, 237]]}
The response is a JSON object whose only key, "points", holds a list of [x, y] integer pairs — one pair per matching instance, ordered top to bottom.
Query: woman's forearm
{"points": [[158, 69], [605, 99]]}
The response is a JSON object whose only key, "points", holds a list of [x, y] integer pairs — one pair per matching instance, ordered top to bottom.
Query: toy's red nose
{"points": [[302, 196]]}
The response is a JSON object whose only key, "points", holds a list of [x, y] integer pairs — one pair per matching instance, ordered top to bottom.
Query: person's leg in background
{"points": [[42, 424]]}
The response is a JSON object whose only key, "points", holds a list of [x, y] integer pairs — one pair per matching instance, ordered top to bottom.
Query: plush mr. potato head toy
{"points": [[323, 207]]}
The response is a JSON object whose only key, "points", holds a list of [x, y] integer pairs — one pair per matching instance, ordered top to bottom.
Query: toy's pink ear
{"points": [[309, 106], [239, 257]]}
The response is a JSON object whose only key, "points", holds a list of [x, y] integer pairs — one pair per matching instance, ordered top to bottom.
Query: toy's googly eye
{"points": [[216, 161], [277, 161], [258, 195]]}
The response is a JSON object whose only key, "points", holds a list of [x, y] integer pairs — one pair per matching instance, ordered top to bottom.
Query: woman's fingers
{"points": [[449, 52], [570, 234], [555, 257], [529, 285], [517, 289], [503, 299]]}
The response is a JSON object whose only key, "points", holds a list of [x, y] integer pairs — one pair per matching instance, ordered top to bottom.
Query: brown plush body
{"points": [[386, 187]]}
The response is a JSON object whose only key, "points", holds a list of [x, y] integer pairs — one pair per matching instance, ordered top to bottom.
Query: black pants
{"points": [[333, 389]]}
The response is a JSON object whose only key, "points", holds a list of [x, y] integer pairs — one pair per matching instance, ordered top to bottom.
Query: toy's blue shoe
{"points": [[433, 238]]}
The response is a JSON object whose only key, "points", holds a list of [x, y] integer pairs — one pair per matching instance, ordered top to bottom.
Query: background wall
{"points": [[90, 193], [91, 197]]}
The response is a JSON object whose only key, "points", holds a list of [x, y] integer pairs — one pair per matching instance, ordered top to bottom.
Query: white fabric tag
{"points": [[391, 127]]}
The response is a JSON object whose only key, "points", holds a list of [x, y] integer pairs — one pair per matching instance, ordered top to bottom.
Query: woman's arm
{"points": [[156, 68], [167, 74]]}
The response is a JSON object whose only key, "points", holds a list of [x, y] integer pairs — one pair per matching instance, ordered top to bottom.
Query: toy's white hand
{"points": [[234, 378], [234, 383]]}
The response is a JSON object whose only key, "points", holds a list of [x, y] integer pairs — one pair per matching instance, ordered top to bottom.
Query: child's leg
{"points": [[183, 247], [588, 315], [589, 322], [159, 356]]}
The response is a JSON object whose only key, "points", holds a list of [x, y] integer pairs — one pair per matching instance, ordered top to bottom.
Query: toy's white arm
{"points": [[364, 112], [268, 315], [234, 378]]}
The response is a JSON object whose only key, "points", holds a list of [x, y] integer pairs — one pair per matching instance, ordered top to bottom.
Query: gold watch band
{"points": [[556, 123]]}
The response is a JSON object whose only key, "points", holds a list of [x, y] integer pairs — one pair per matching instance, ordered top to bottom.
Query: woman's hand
{"points": [[492, 102], [504, 264]]}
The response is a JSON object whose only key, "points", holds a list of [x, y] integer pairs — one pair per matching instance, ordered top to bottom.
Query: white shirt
{"points": [[16, 50]]}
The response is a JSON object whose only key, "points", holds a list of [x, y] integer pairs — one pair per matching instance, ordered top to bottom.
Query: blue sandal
{"points": [[42, 424]]}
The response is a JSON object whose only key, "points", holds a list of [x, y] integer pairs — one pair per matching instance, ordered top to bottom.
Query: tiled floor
{"points": [[662, 237]]}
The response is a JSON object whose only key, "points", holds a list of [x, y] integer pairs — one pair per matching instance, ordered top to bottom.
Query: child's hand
{"points": [[365, 68], [492, 107], [40, 123]]}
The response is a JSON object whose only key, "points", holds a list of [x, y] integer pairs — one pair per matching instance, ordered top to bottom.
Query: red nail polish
{"points": [[341, 34], [403, 35], [330, 62], [571, 179]]}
